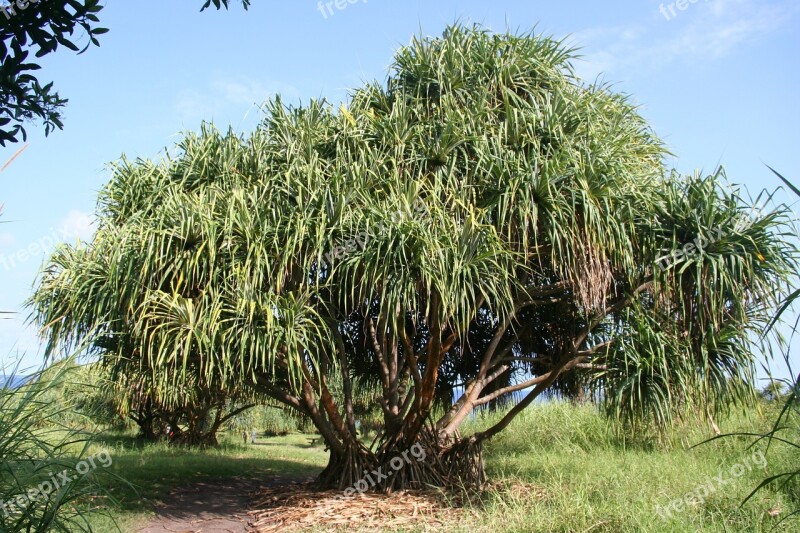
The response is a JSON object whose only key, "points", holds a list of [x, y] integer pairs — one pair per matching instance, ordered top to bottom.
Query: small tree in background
{"points": [[776, 390], [191, 417]]}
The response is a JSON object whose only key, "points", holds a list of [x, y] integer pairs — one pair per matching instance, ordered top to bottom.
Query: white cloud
{"points": [[721, 7], [729, 28], [705, 31], [228, 95], [78, 224], [7, 239]]}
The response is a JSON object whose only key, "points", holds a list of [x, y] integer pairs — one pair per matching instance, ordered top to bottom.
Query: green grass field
{"points": [[579, 476], [590, 481]]}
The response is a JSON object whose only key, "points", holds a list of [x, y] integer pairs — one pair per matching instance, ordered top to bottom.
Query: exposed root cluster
{"points": [[427, 463]]}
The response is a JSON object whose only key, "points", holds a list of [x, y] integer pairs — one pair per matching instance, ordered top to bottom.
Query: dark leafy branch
{"points": [[29, 31]]}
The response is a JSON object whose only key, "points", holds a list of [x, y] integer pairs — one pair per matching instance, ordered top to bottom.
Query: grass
{"points": [[36, 449], [581, 476], [590, 480]]}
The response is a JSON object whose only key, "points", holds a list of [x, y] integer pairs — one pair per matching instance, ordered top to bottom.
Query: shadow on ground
{"points": [[192, 490], [209, 506]]}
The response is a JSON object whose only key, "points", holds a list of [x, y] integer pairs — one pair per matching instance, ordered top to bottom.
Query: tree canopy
{"points": [[482, 228]]}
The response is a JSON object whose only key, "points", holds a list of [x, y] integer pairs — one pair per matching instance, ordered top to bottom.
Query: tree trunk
{"points": [[147, 430], [196, 439], [426, 462]]}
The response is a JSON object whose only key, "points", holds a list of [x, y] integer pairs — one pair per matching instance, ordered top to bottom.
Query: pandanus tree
{"points": [[480, 229], [195, 409], [192, 416]]}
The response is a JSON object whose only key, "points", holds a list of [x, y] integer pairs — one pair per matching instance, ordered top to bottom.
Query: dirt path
{"points": [[213, 506]]}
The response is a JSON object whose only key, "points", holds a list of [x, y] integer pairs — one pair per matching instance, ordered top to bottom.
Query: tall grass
{"points": [[785, 432], [34, 448], [559, 468], [567, 468]]}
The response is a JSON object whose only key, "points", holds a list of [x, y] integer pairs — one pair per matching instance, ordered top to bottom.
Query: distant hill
{"points": [[12, 381]]}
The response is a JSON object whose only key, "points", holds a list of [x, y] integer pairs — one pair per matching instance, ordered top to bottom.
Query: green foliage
{"points": [[39, 29], [510, 218], [684, 357], [81, 397], [267, 420], [785, 431], [34, 446]]}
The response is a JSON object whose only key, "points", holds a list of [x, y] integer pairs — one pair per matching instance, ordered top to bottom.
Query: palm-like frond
{"points": [[482, 218]]}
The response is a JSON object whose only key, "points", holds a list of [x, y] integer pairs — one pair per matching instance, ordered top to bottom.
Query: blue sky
{"points": [[718, 80]]}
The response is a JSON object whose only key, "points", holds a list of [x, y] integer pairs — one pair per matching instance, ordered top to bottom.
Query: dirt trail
{"points": [[213, 506]]}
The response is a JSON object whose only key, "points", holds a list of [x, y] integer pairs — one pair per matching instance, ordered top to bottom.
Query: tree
{"points": [[39, 27], [484, 228], [774, 391], [116, 396], [194, 416]]}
